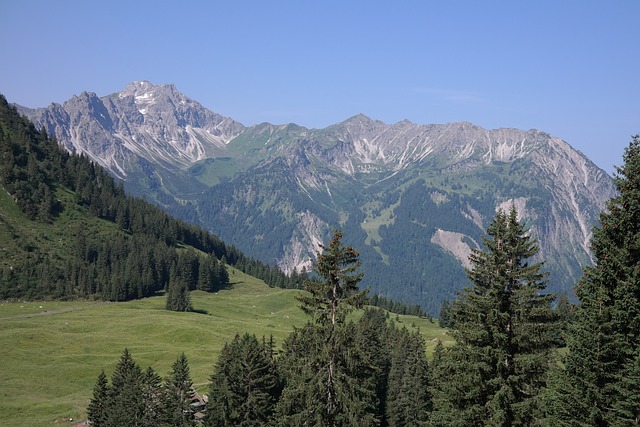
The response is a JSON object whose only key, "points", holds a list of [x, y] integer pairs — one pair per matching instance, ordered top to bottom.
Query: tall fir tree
{"points": [[336, 294], [178, 297], [504, 332], [600, 384], [325, 387], [179, 393], [153, 396], [408, 403], [126, 404], [98, 408]]}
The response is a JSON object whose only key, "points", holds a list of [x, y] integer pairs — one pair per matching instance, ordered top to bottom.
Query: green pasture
{"points": [[53, 351]]}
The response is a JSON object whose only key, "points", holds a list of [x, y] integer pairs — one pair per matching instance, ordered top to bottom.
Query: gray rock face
{"points": [[153, 122]]}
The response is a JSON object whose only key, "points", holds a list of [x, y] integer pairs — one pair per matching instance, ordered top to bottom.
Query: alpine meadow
{"points": [[163, 265]]}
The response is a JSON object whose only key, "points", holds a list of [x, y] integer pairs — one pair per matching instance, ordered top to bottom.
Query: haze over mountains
{"points": [[413, 199]]}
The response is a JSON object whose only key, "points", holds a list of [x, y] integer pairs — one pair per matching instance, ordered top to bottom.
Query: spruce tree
{"points": [[337, 292], [178, 298], [504, 332], [600, 383], [245, 385], [325, 387], [179, 393], [153, 396], [407, 402], [126, 405], [98, 408]]}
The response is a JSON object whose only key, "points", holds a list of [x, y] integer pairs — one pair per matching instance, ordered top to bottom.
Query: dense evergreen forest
{"points": [[119, 248], [503, 370]]}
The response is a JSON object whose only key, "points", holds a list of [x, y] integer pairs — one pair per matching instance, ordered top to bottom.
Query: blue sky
{"points": [[567, 67]]}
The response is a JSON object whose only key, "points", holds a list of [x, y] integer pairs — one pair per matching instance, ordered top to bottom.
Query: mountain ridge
{"points": [[277, 190]]}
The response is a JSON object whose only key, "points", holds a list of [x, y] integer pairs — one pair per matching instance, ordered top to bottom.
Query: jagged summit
{"points": [[143, 122]]}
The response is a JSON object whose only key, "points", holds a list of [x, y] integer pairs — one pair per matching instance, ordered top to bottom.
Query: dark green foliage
{"points": [[28, 165], [183, 278], [336, 293], [178, 298], [565, 312], [445, 319], [504, 331], [374, 339], [329, 379], [600, 383], [245, 385], [327, 385], [179, 393], [154, 394], [137, 398], [408, 401], [125, 402], [98, 408]]}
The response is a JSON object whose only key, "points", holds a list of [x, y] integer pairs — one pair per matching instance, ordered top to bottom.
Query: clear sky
{"points": [[570, 68]]}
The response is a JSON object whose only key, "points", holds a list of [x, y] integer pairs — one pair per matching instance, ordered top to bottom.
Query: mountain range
{"points": [[413, 199]]}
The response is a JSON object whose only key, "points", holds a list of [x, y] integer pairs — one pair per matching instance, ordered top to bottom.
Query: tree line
{"points": [[329, 372]]}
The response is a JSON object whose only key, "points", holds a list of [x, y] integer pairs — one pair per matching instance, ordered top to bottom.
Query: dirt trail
{"points": [[42, 313]]}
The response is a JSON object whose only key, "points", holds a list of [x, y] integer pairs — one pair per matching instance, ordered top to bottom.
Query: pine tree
{"points": [[178, 298], [332, 298], [565, 314], [444, 319], [504, 331], [374, 340], [600, 383], [245, 385], [326, 388], [179, 393], [153, 396], [408, 402], [126, 405], [98, 408]]}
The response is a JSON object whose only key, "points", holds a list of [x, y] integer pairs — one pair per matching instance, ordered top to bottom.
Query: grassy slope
{"points": [[51, 356]]}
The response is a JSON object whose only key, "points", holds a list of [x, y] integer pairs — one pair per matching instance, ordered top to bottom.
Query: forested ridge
{"points": [[77, 234]]}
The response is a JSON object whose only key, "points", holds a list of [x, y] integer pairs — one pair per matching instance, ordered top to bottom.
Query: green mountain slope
{"points": [[413, 224], [53, 351]]}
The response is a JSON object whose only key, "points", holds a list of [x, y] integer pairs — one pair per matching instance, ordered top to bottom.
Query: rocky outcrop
{"points": [[153, 122]]}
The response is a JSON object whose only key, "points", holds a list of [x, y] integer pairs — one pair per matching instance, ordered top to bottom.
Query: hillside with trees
{"points": [[68, 230]]}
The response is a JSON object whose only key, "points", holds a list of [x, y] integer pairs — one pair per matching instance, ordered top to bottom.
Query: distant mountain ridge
{"points": [[414, 199]]}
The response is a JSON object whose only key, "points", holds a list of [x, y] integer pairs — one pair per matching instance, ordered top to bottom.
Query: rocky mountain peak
{"points": [[146, 95], [144, 121]]}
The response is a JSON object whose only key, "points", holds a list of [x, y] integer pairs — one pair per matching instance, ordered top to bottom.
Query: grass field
{"points": [[53, 351]]}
